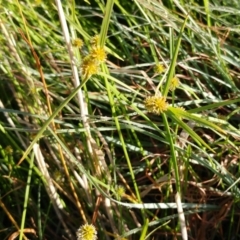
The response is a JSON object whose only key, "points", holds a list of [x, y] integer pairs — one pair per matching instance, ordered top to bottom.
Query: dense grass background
{"points": [[90, 151]]}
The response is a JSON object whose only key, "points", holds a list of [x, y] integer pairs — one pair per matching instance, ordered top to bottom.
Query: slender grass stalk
{"points": [[206, 6], [105, 23], [174, 60], [173, 153], [26, 198], [181, 216], [39, 223], [144, 229]]}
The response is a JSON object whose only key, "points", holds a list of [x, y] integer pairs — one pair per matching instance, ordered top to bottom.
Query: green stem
{"points": [[173, 154]]}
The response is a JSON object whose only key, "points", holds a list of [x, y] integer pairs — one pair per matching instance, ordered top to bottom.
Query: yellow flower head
{"points": [[95, 41], [77, 43], [98, 54], [89, 67], [159, 68], [174, 83], [156, 104], [182, 108], [9, 150], [120, 191], [87, 232]]}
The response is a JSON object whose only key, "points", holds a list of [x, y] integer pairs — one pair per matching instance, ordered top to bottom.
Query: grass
{"points": [[141, 145]]}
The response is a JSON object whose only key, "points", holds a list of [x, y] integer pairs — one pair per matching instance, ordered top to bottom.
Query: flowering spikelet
{"points": [[95, 41], [77, 43], [98, 54], [91, 62], [89, 67], [159, 68], [174, 83], [156, 104], [182, 108], [9, 150], [120, 191], [87, 232]]}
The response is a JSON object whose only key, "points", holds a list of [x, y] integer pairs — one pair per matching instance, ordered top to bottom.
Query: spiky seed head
{"points": [[77, 42], [98, 54], [89, 67], [159, 68], [174, 83], [156, 104], [87, 232]]}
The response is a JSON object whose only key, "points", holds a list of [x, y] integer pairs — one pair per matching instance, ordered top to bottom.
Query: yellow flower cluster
{"points": [[95, 40], [77, 43], [98, 54], [91, 62], [89, 67], [159, 68], [174, 83], [156, 104], [9, 150], [120, 191], [87, 232]]}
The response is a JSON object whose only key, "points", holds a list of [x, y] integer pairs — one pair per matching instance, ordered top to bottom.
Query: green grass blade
{"points": [[174, 60]]}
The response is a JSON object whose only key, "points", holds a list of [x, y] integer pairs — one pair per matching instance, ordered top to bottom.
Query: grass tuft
{"points": [[119, 120]]}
